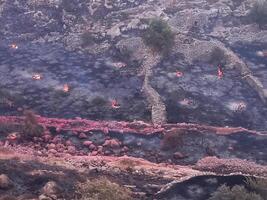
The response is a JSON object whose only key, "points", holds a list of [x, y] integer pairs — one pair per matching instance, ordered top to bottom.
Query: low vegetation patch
{"points": [[217, 57], [258, 185], [103, 189], [256, 189], [235, 193]]}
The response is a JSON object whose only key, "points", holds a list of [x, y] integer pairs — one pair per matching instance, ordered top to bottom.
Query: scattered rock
{"points": [[82, 136], [47, 137], [56, 140], [69, 143], [87, 143], [112, 143], [51, 146], [60, 147], [92, 147], [71, 149], [100, 149], [125, 149], [52, 151], [94, 153], [178, 155], [5, 182], [8, 197], [27, 197], [43, 197]]}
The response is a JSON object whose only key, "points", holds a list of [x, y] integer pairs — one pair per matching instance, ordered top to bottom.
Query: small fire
{"points": [[14, 46], [261, 53], [119, 65], [220, 72], [179, 74], [36, 77], [66, 88], [9, 103], [115, 104], [241, 107], [13, 136]]}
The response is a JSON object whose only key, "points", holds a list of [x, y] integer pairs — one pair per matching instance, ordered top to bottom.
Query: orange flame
{"points": [[14, 46], [119, 65], [220, 72], [179, 74], [36, 77], [66, 88], [115, 104]]}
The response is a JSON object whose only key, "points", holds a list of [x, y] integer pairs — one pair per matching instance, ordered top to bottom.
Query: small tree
{"points": [[258, 12], [159, 36], [31, 127]]}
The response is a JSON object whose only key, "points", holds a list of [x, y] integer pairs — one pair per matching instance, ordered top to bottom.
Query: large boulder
{"points": [[5, 182], [51, 189]]}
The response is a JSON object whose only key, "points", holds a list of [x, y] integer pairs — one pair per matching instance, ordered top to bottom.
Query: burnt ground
{"points": [[47, 39], [93, 81], [199, 96]]}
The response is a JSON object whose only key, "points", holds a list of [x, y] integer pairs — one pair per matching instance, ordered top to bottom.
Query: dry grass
{"points": [[258, 185], [103, 189], [235, 193]]}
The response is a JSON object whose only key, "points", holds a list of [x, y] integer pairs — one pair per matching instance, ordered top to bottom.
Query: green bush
{"points": [[258, 12], [159, 36], [87, 39], [217, 57], [98, 101], [103, 189], [235, 193]]}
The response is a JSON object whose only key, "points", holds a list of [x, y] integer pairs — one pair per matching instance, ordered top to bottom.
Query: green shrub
{"points": [[258, 12], [159, 36], [87, 39], [217, 57], [98, 101], [103, 189], [235, 193]]}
